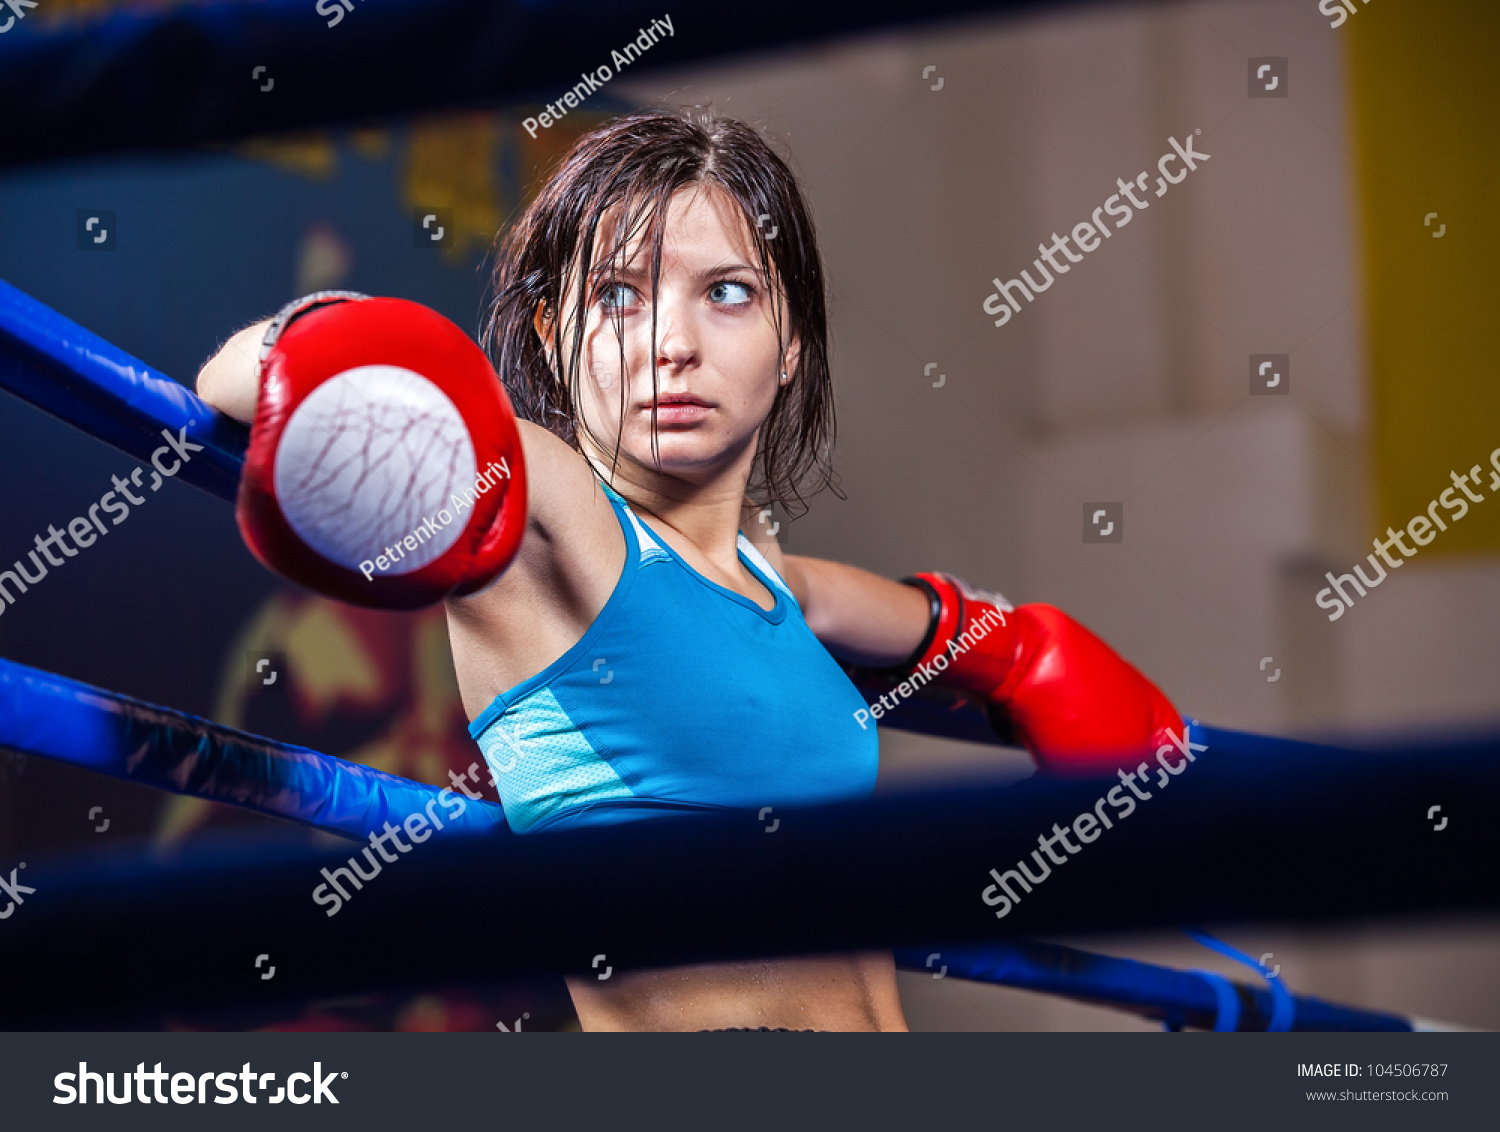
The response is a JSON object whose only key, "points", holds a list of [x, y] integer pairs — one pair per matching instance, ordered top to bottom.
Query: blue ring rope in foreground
{"points": [[58, 366], [57, 718], [61, 719], [1338, 838], [1152, 991], [1283, 1004]]}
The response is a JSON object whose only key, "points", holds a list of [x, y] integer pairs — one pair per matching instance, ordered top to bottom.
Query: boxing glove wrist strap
{"points": [[299, 307], [934, 617], [968, 642]]}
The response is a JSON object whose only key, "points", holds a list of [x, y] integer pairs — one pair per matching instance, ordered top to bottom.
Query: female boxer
{"points": [[659, 324]]}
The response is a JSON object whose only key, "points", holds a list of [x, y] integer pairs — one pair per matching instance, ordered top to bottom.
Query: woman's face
{"points": [[716, 346]]}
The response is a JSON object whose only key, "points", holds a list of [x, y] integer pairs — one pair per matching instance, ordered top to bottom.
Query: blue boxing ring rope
{"points": [[50, 362], [53, 363], [57, 718]]}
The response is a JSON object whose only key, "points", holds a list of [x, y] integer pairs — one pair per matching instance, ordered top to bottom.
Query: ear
{"points": [[541, 323], [793, 356]]}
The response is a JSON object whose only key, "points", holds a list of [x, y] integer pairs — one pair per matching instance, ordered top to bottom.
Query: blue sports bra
{"points": [[682, 695]]}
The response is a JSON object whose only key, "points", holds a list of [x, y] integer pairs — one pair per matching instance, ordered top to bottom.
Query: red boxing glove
{"points": [[385, 466], [1073, 701]]}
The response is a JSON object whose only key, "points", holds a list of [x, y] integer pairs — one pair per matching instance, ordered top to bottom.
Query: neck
{"points": [[706, 511]]}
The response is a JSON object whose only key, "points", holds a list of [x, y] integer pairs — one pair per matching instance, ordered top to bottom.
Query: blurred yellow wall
{"points": [[1426, 98]]}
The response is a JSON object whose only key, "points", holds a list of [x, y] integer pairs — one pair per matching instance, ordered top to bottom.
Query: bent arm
{"points": [[1076, 704]]}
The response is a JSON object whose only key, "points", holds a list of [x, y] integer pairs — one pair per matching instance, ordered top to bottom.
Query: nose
{"points": [[676, 337]]}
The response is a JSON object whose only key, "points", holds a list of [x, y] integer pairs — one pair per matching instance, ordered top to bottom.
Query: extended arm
{"points": [[860, 617], [1074, 702]]}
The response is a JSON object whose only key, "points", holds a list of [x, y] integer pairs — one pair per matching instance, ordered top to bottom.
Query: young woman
{"points": [[659, 324]]}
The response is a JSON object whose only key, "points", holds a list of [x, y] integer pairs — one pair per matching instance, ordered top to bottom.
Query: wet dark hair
{"points": [[639, 161]]}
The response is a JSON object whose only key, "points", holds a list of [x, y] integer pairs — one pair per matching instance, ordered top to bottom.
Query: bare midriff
{"points": [[824, 992]]}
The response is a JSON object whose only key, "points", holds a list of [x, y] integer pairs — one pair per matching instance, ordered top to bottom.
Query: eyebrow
{"points": [[607, 268]]}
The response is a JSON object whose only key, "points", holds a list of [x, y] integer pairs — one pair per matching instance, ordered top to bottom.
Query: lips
{"points": [[680, 399], [679, 409]]}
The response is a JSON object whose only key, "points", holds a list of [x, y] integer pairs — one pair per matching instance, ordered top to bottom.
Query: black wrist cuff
{"points": [[299, 307], [932, 623]]}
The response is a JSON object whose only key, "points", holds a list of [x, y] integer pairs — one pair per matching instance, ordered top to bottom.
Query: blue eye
{"points": [[610, 289], [716, 292]]}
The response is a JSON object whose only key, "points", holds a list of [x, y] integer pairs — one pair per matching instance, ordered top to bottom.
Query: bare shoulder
{"points": [[560, 485], [570, 524], [567, 565]]}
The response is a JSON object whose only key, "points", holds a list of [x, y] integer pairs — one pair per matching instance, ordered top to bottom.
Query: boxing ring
{"points": [[128, 934]]}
